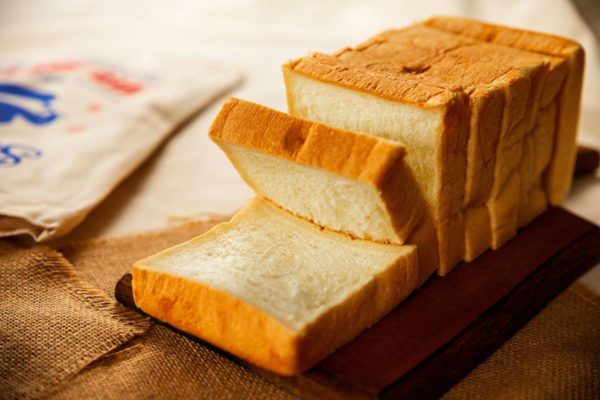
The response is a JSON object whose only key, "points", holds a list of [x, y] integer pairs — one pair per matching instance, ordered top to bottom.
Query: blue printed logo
{"points": [[32, 105], [12, 154]]}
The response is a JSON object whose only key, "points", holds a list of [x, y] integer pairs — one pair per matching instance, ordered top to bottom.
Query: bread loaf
{"points": [[506, 88]]}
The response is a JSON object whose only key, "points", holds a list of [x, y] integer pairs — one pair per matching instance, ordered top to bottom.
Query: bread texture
{"points": [[564, 84], [344, 181], [274, 289]]}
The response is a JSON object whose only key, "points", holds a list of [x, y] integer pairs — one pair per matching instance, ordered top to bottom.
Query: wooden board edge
{"points": [[587, 161], [434, 377]]}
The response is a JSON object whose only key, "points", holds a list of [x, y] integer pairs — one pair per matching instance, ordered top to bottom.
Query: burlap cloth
{"points": [[52, 324], [556, 356]]}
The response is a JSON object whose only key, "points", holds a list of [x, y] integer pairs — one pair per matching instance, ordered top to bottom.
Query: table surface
{"points": [[256, 37]]}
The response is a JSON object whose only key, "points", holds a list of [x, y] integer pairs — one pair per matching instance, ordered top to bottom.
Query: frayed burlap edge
{"points": [[96, 300]]}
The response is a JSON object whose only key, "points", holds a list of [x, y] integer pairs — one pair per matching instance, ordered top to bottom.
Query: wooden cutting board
{"points": [[451, 324]]}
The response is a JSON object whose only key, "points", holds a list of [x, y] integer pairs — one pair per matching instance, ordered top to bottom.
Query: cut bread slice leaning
{"points": [[562, 86], [371, 88], [344, 181], [274, 289]]}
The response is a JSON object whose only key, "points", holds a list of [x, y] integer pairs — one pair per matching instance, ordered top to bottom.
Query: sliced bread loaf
{"points": [[502, 85], [274, 289]]}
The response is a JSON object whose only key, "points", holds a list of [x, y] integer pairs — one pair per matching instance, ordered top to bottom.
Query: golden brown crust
{"points": [[537, 42], [557, 49], [407, 65], [418, 65], [558, 70], [287, 79], [565, 79], [388, 86], [487, 110], [537, 151], [349, 154], [452, 164], [559, 176], [505, 200], [478, 232], [222, 320]]}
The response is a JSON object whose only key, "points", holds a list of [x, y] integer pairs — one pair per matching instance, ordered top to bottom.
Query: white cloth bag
{"points": [[71, 130]]}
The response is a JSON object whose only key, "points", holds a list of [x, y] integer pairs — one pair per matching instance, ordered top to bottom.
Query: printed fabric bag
{"points": [[70, 131]]}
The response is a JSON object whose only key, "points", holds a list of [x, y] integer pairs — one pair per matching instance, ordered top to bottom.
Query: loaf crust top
{"points": [[537, 42], [421, 65]]}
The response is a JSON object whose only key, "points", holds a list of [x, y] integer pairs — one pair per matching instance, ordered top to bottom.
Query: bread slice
{"points": [[564, 84], [502, 85], [537, 152], [510, 179], [344, 181], [274, 289]]}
